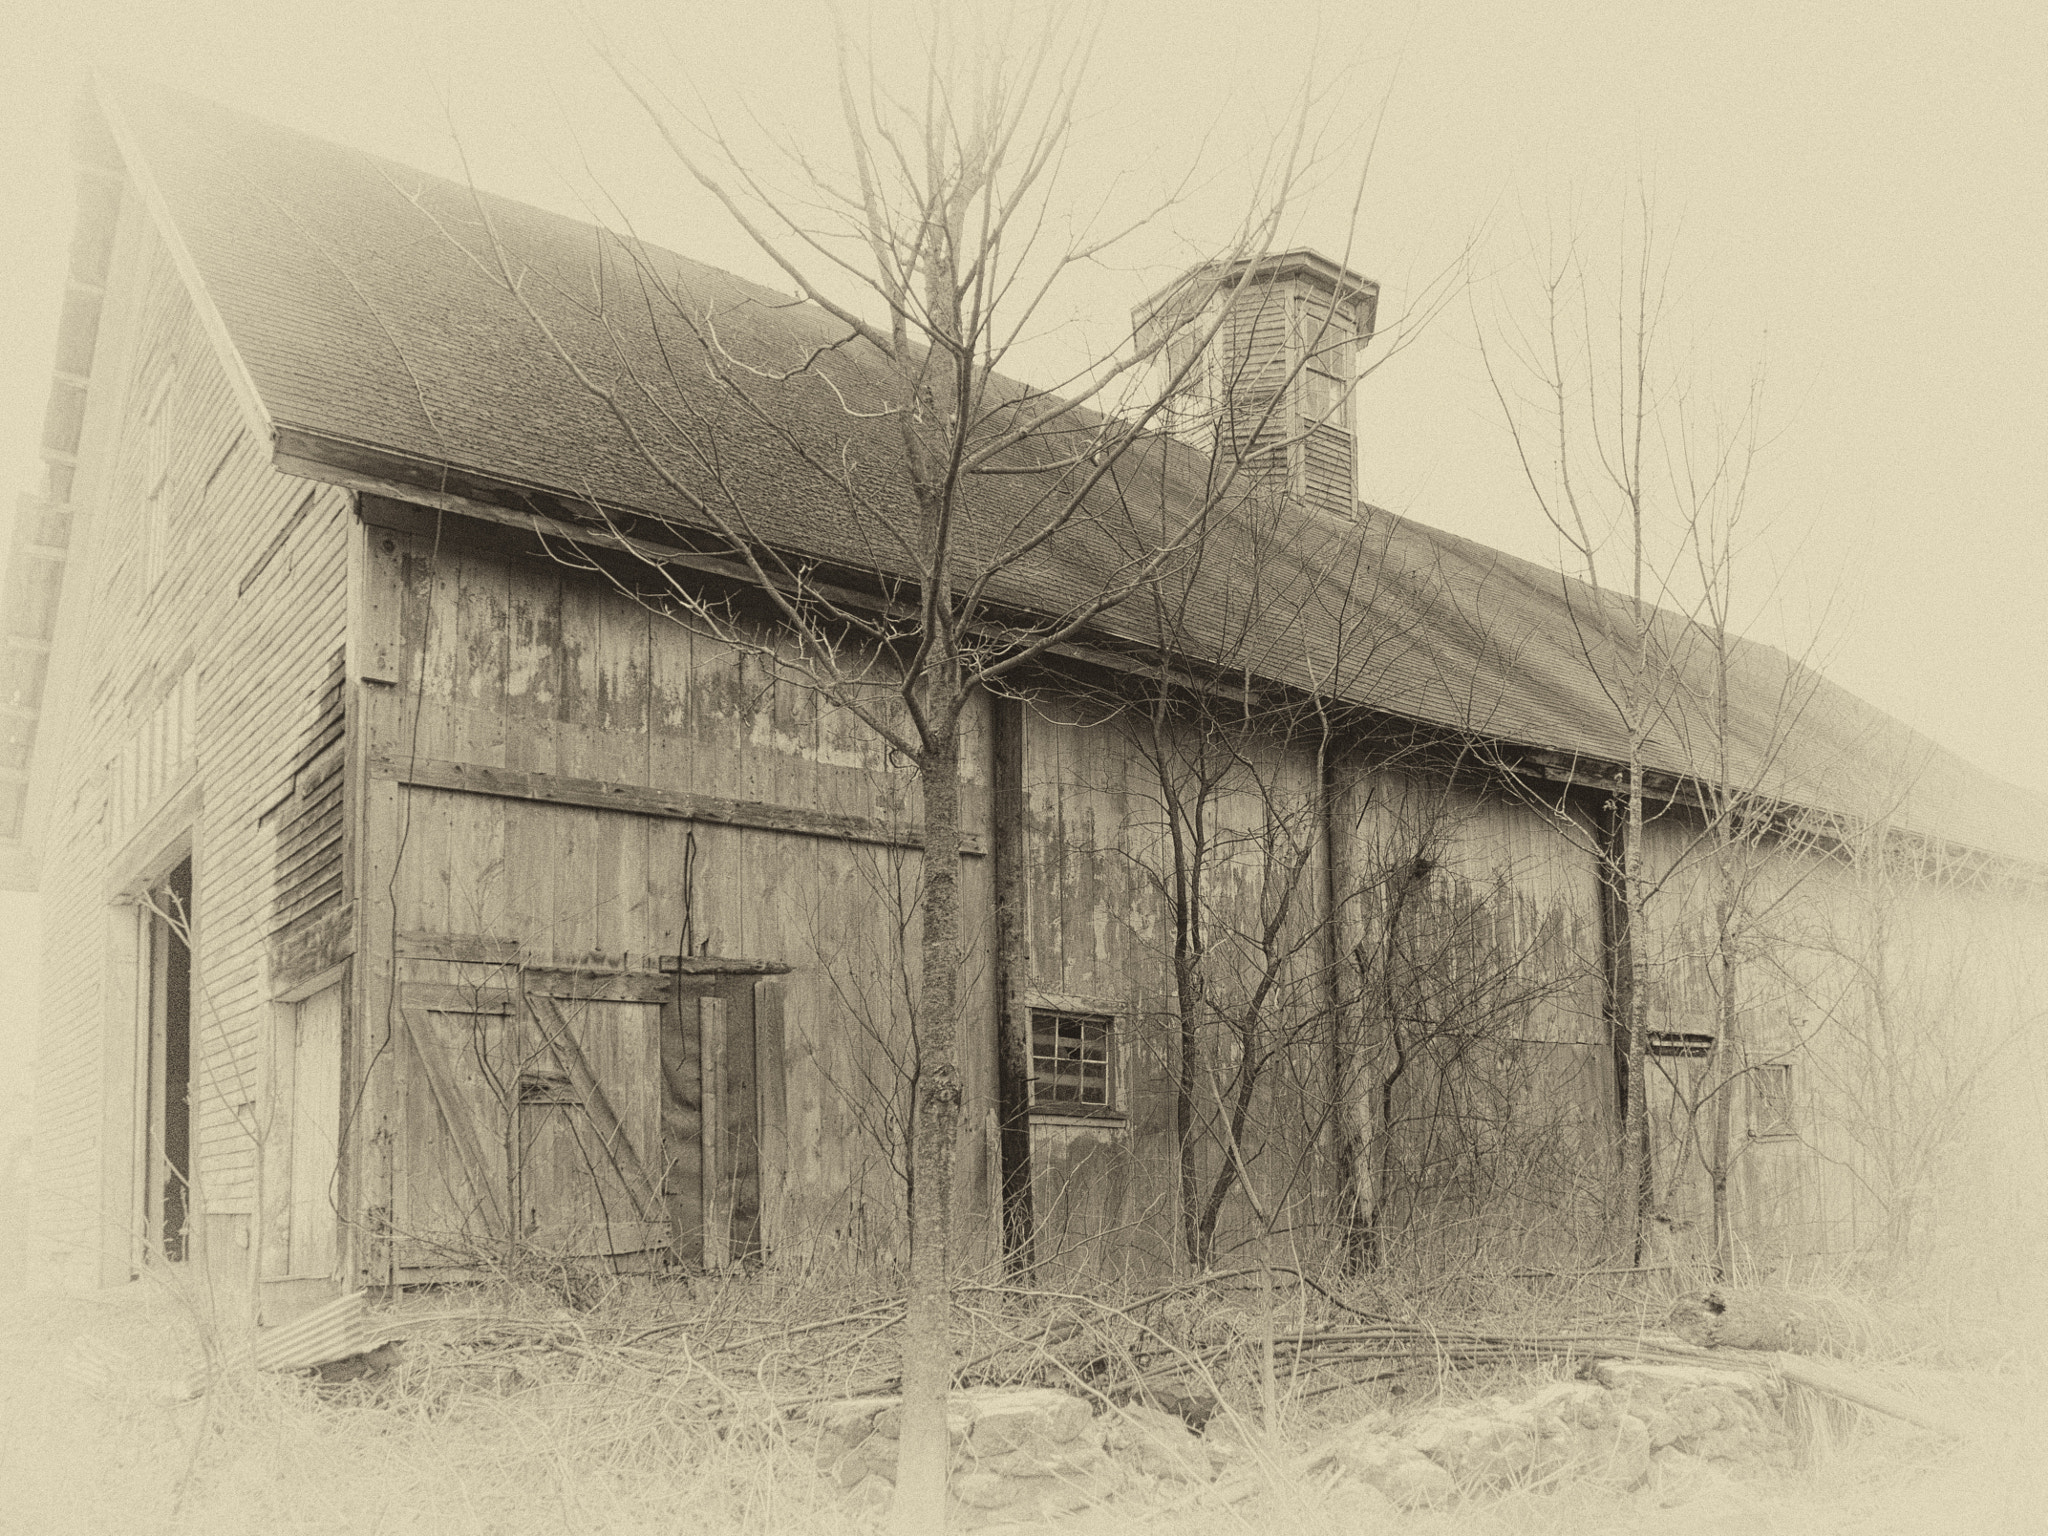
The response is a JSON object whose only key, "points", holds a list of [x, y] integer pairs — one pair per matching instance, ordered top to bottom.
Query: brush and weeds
{"points": [[673, 1404]]}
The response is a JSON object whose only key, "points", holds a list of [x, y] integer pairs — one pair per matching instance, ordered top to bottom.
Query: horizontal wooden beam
{"points": [[639, 800], [457, 948], [482, 949], [721, 965]]}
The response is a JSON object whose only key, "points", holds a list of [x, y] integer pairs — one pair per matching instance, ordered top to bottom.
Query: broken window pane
{"points": [[1070, 1062]]}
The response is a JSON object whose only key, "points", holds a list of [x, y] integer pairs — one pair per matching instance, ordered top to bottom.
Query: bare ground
{"points": [[664, 1408]]}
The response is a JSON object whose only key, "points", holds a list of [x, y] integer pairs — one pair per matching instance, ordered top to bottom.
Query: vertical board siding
{"points": [[522, 663], [176, 670], [1506, 931], [315, 1106]]}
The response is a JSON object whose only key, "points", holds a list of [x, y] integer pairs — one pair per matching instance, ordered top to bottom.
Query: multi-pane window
{"points": [[1072, 1062]]}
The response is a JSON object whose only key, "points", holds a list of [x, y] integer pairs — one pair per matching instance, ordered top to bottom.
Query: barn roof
{"points": [[361, 306]]}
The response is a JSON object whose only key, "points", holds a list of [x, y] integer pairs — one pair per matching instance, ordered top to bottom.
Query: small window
{"points": [[1688, 1045], [1073, 1063], [1770, 1102]]}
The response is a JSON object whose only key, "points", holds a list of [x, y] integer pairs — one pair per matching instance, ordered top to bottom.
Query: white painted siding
{"points": [[188, 676]]}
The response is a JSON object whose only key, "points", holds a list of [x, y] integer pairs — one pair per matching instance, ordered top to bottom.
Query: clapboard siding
{"points": [[180, 672], [309, 817]]}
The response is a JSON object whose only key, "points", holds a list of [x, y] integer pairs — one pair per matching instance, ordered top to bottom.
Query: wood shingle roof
{"points": [[365, 309]]}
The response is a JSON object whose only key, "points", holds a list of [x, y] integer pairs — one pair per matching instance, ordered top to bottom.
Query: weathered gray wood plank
{"points": [[639, 800], [611, 1130]]}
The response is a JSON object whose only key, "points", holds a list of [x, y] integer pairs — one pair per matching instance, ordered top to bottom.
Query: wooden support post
{"points": [[1617, 969], [1012, 979], [1352, 1063], [772, 1114], [370, 1152], [717, 1152]]}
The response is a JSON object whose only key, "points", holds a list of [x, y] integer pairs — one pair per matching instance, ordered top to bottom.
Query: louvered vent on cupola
{"points": [[1272, 385]]}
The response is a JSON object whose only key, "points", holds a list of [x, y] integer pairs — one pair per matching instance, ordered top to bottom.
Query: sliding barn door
{"points": [[722, 1116]]}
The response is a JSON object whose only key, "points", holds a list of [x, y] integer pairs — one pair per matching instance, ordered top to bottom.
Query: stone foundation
{"points": [[1630, 1424], [1018, 1454], [1026, 1454]]}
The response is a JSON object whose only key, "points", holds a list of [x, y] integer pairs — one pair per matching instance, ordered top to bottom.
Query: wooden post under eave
{"points": [[1013, 966], [773, 1113], [716, 1144], [369, 1150]]}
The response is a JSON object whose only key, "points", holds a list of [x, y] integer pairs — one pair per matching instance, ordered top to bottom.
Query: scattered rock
{"points": [[369, 1364], [1193, 1407], [1720, 1415], [1026, 1420], [1572, 1430], [1584, 1432], [1159, 1444], [1018, 1455], [1026, 1455], [1389, 1466], [1678, 1477], [870, 1495], [1368, 1508]]}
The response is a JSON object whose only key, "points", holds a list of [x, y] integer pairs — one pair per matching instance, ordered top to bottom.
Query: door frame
{"points": [[681, 977]]}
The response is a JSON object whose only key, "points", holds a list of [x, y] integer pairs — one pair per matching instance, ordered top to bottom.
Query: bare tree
{"points": [[1645, 477], [957, 526], [1322, 934]]}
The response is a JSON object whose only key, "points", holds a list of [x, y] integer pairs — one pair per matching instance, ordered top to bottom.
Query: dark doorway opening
{"points": [[169, 1168]]}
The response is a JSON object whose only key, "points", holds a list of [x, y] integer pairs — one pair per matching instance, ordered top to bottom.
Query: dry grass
{"points": [[661, 1407]]}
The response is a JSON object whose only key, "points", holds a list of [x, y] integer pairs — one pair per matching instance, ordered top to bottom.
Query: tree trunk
{"points": [[1187, 983], [1187, 987], [1624, 1016], [1727, 1057], [1354, 1065], [1724, 1067], [1637, 1175], [1204, 1239], [924, 1451]]}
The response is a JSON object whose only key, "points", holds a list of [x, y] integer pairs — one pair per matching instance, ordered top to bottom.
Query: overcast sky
{"points": [[1857, 192]]}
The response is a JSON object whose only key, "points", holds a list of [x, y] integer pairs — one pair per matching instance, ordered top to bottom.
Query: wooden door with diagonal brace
{"points": [[554, 1112], [589, 1112], [532, 1118]]}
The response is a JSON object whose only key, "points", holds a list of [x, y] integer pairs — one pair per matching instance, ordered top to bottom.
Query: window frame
{"points": [[1328, 372], [1088, 1012], [1679, 1044], [1773, 1116]]}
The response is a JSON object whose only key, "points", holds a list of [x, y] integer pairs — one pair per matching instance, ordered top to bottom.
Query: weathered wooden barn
{"points": [[420, 894]]}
